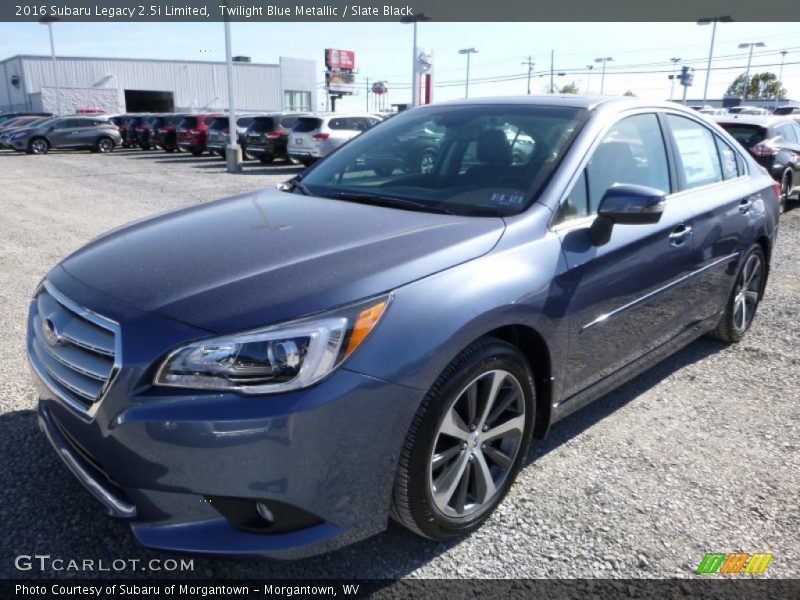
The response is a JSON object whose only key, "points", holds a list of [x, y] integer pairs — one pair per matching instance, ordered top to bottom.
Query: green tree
{"points": [[763, 86], [570, 88], [630, 94]]}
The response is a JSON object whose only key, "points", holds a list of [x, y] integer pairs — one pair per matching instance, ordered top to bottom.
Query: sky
{"points": [[641, 52]]}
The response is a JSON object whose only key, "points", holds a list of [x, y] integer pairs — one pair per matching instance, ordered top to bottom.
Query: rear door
{"points": [[65, 134], [300, 140], [713, 181], [625, 297]]}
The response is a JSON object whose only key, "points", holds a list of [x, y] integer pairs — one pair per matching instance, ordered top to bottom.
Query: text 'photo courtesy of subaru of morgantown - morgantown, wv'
{"points": [[423, 302]]}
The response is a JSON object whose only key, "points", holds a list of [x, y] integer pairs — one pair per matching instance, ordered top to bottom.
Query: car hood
{"points": [[269, 256]]}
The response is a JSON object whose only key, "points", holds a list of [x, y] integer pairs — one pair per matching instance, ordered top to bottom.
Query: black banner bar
{"points": [[394, 10], [711, 589]]}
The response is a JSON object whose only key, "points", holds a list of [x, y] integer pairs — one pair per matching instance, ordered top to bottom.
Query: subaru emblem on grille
{"points": [[51, 334]]}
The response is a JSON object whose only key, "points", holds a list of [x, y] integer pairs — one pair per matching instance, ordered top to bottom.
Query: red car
{"points": [[191, 132]]}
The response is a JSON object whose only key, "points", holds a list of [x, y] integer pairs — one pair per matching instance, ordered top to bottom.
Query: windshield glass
{"points": [[746, 135], [490, 159]]}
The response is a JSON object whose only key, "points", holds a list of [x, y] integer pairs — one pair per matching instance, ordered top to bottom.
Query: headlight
{"points": [[274, 359]]}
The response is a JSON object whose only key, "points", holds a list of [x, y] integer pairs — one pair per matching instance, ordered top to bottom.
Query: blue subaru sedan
{"points": [[281, 372]]}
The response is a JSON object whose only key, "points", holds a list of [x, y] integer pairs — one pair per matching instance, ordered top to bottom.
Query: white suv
{"points": [[316, 136]]}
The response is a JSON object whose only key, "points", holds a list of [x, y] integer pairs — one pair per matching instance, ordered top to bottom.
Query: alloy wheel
{"points": [[106, 145], [39, 147], [426, 163], [785, 183], [748, 289], [477, 443]]}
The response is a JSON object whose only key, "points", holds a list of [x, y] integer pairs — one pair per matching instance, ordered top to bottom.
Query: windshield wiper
{"points": [[295, 183], [388, 201]]}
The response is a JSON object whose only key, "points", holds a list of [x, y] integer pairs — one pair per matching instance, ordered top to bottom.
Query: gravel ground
{"points": [[699, 454]]}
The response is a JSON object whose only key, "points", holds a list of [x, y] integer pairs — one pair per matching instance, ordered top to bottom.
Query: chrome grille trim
{"points": [[83, 365]]}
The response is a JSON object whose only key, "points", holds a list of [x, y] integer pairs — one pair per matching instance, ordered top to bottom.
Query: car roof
{"points": [[767, 121]]}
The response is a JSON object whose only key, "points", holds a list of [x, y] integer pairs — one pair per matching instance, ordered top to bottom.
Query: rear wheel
{"points": [[104, 145], [38, 146], [426, 162], [786, 189], [742, 304], [466, 443]]}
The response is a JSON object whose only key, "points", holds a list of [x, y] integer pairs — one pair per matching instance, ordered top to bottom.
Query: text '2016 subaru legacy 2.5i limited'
{"points": [[280, 372]]}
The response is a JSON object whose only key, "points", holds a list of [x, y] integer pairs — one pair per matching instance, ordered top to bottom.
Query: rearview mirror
{"points": [[626, 204]]}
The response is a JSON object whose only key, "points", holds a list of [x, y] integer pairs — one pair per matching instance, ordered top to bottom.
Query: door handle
{"points": [[745, 205], [680, 234]]}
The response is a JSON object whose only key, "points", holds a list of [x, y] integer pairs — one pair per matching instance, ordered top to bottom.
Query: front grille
{"points": [[75, 348]]}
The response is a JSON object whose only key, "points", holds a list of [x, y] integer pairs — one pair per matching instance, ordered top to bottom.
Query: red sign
{"points": [[340, 59]]}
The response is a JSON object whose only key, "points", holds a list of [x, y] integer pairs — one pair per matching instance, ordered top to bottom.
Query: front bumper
{"points": [[155, 455]]}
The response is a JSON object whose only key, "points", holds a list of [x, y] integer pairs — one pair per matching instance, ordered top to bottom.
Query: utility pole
{"points": [[751, 45], [468, 52], [552, 58], [603, 60], [529, 62], [589, 78], [780, 78], [367, 95], [233, 154]]}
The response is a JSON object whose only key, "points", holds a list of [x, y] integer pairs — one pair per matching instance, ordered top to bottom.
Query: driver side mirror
{"points": [[626, 204]]}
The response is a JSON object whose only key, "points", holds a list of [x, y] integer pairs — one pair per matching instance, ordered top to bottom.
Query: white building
{"points": [[30, 83]]}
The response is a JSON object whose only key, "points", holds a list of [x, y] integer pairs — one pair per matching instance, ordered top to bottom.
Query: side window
{"points": [[338, 123], [68, 124], [796, 129], [787, 132], [632, 152], [727, 157], [698, 161], [577, 203]]}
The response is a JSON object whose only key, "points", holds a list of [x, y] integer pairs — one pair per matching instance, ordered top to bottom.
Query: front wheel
{"points": [[38, 146], [740, 309], [466, 443]]}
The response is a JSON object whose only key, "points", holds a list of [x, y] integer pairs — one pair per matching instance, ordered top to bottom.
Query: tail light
{"points": [[141, 128], [162, 130], [194, 132], [272, 135], [320, 136], [764, 150], [777, 187]]}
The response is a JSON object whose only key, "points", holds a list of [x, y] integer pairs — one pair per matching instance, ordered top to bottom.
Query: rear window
{"points": [[244, 121], [289, 121], [187, 122], [218, 123], [262, 124], [306, 124], [747, 135]]}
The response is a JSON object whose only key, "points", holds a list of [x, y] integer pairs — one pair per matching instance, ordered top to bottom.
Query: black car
{"points": [[164, 128], [74, 133], [218, 133], [267, 136], [131, 138], [775, 143]]}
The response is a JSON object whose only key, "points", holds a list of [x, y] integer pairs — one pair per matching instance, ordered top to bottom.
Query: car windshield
{"points": [[187, 122], [219, 123], [306, 124], [480, 160]]}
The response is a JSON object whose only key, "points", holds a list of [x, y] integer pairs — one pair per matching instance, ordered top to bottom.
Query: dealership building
{"points": [[116, 85]]}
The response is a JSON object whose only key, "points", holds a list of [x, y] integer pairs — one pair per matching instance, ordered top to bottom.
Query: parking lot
{"points": [[700, 454]]}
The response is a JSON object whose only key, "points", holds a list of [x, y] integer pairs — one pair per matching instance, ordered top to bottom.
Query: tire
{"points": [[104, 145], [38, 146], [169, 149], [197, 152], [266, 159], [307, 162], [426, 162], [786, 189], [740, 309], [431, 457]]}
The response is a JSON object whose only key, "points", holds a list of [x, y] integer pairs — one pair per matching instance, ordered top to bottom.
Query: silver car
{"points": [[316, 136]]}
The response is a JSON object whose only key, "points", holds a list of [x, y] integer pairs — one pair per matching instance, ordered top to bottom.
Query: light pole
{"points": [[414, 19], [712, 21], [49, 22], [750, 45], [468, 52], [603, 60], [529, 62], [675, 62], [589, 78], [780, 78], [233, 153]]}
